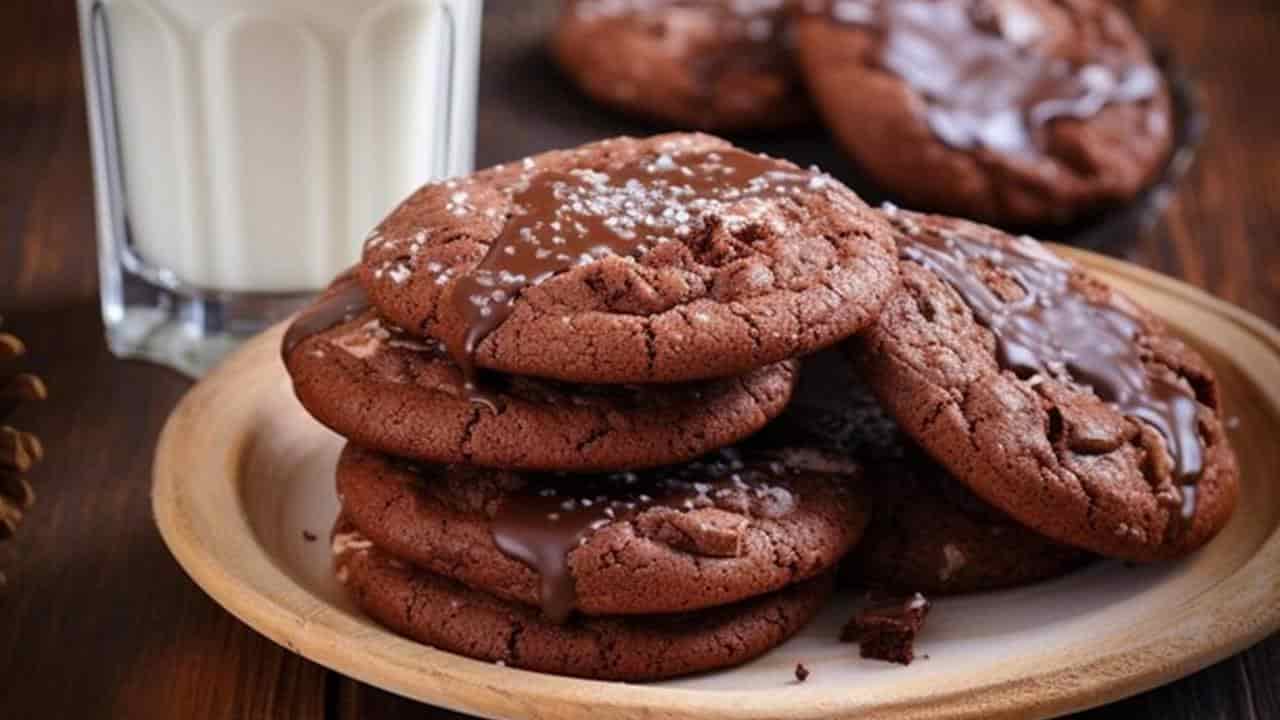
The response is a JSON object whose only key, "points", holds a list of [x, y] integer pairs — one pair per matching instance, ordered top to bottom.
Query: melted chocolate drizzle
{"points": [[984, 82], [565, 219], [344, 299], [1055, 331], [550, 517]]}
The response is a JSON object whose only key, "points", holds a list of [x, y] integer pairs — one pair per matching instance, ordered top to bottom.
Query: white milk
{"points": [[262, 139]]}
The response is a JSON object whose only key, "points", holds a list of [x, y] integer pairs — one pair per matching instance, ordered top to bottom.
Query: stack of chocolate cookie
{"points": [[544, 370], [592, 429]]}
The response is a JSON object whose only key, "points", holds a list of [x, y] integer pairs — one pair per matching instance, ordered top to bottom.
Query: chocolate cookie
{"points": [[704, 64], [1018, 112], [673, 258], [370, 382], [1052, 396], [707, 533], [928, 533], [931, 534], [451, 617]]}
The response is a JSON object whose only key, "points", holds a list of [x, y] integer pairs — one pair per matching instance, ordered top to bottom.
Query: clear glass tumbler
{"points": [[242, 149]]}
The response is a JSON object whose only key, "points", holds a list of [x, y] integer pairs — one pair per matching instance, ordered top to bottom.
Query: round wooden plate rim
{"points": [[220, 552]]}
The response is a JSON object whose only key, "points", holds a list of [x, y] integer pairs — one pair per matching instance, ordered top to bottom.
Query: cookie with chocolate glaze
{"points": [[704, 64], [1016, 112], [667, 259], [368, 381], [1049, 394], [716, 531], [449, 616]]}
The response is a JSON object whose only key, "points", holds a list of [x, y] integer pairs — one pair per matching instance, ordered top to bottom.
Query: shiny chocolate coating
{"points": [[984, 81], [562, 220], [344, 300], [1055, 331], [550, 517]]}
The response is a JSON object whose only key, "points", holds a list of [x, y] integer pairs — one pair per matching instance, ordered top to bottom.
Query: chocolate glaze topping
{"points": [[984, 81], [564, 219], [344, 300], [1056, 331], [550, 517]]}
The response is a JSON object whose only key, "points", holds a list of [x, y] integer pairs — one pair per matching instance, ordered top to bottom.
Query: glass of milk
{"points": [[243, 149]]}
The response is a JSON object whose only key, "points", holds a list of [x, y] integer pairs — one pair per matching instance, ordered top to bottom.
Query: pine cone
{"points": [[19, 451]]}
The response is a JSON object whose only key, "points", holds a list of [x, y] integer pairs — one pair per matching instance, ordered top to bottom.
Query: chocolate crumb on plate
{"points": [[886, 628], [802, 672]]}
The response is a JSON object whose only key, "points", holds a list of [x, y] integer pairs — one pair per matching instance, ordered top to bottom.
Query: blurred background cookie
{"points": [[696, 64], [1016, 112]]}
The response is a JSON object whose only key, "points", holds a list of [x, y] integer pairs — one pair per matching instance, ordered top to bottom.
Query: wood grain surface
{"points": [[100, 622]]}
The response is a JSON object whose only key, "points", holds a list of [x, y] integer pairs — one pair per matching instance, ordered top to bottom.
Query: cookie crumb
{"points": [[308, 536], [886, 628], [802, 672]]}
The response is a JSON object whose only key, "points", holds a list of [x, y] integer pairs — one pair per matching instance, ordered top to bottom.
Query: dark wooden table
{"points": [[99, 620]]}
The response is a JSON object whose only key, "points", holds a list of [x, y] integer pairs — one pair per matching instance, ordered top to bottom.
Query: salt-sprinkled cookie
{"points": [[704, 64], [1016, 112], [667, 259], [370, 382], [1052, 396], [712, 532], [454, 618]]}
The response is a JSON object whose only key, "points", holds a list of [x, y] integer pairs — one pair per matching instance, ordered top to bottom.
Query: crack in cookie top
{"points": [[985, 79], [564, 219], [1055, 331], [546, 520]]}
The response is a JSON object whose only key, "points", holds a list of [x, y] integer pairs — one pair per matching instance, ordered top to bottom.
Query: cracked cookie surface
{"points": [[703, 64], [1015, 112], [666, 259], [368, 381], [1049, 394], [704, 535], [451, 617]]}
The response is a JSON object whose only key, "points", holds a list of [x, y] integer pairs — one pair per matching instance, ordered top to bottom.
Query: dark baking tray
{"points": [[527, 106]]}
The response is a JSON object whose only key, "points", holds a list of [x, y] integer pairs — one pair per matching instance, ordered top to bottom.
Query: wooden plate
{"points": [[241, 473]]}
